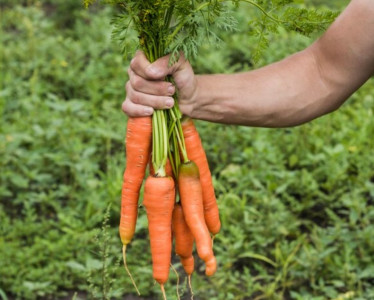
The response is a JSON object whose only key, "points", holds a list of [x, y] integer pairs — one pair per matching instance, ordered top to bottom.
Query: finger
{"points": [[143, 68], [163, 68], [154, 71], [181, 71], [159, 88], [157, 102], [136, 110]]}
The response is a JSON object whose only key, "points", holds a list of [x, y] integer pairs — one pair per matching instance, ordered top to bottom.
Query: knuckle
{"points": [[133, 63], [137, 82], [128, 86], [135, 98], [125, 106]]}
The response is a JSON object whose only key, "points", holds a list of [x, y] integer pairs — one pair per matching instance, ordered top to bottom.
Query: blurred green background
{"points": [[297, 205]]}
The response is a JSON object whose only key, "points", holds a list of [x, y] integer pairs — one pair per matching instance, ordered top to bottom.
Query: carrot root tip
{"points": [[213, 237], [127, 269], [176, 274], [190, 286], [163, 291]]}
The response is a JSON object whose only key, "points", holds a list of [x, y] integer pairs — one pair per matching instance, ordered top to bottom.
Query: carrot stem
{"points": [[179, 135], [164, 138], [159, 143], [174, 156], [172, 163], [127, 269]]}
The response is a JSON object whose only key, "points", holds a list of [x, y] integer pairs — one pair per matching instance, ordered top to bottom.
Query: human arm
{"points": [[301, 87]]}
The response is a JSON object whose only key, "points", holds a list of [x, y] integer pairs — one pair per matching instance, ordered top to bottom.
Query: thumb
{"points": [[181, 71]]}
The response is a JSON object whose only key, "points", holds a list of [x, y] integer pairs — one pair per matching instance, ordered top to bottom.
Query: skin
{"points": [[300, 88]]}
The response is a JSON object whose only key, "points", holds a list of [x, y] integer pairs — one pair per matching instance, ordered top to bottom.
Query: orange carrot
{"points": [[138, 142], [197, 154], [159, 198], [192, 203], [183, 239]]}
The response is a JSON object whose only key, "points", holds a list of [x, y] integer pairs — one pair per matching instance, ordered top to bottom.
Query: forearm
{"points": [[283, 94]]}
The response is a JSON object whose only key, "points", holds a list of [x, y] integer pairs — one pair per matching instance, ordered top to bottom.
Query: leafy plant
{"points": [[183, 25]]}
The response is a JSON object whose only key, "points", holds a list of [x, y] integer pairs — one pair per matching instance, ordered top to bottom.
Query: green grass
{"points": [[297, 205]]}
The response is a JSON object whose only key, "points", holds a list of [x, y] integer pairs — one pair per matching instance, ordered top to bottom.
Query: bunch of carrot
{"points": [[179, 197], [192, 219]]}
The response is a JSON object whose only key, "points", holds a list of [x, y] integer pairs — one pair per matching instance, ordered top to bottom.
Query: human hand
{"points": [[147, 89]]}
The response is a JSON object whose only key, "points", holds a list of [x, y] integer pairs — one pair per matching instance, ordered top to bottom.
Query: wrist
{"points": [[189, 98], [209, 98], [195, 99]]}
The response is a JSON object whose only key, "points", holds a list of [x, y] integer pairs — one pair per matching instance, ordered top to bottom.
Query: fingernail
{"points": [[171, 90], [169, 102], [148, 111]]}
